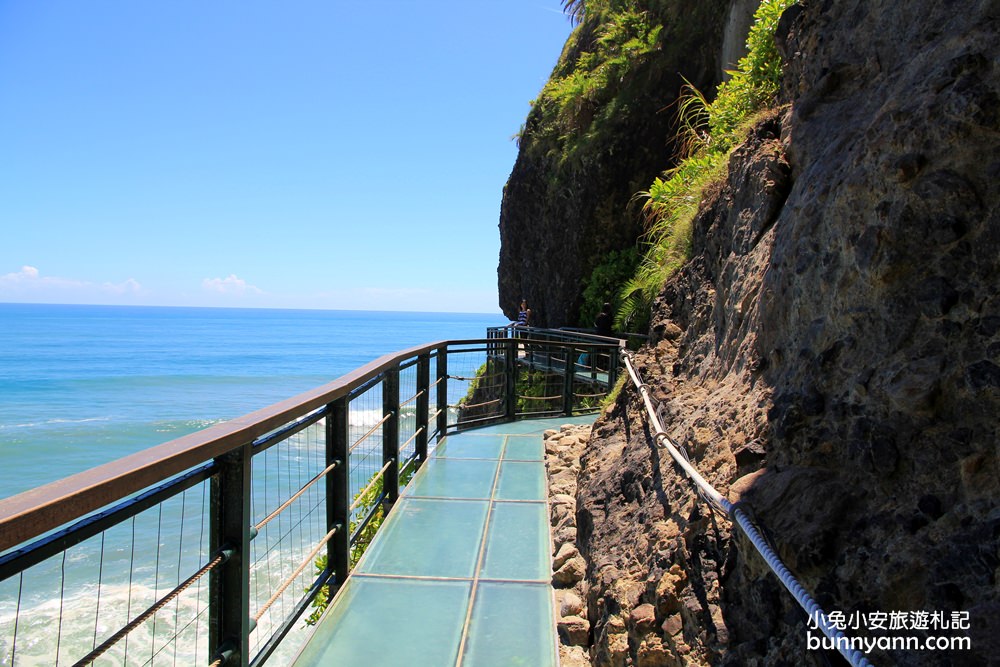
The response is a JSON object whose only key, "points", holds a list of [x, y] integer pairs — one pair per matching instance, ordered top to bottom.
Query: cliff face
{"points": [[566, 203], [831, 355], [659, 559]]}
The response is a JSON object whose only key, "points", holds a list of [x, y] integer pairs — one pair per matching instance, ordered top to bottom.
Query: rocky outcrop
{"points": [[739, 19], [565, 207], [831, 355], [563, 448], [657, 554]]}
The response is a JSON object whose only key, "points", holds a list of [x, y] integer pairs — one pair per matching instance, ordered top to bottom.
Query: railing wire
{"points": [[354, 434], [737, 513]]}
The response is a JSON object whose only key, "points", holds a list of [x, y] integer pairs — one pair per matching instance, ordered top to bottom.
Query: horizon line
{"points": [[319, 309]]}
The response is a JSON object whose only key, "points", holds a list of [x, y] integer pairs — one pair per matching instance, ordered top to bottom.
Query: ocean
{"points": [[84, 385]]}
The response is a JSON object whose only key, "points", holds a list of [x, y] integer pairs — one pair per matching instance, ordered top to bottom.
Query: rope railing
{"points": [[462, 378], [589, 395], [412, 398], [540, 398], [469, 406], [371, 431], [412, 437], [376, 478], [288, 503], [737, 512], [220, 558], [289, 580]]}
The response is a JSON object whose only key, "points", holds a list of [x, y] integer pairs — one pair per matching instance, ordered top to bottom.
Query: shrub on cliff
{"points": [[610, 44], [754, 84], [710, 132], [670, 207], [605, 281]]}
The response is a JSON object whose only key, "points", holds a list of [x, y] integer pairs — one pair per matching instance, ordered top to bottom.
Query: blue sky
{"points": [[294, 154]]}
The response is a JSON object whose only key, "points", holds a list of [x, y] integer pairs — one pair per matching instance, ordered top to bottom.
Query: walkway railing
{"points": [[544, 355], [738, 513], [209, 549]]}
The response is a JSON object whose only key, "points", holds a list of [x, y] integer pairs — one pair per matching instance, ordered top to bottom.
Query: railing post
{"points": [[613, 367], [510, 372], [568, 372], [442, 391], [423, 406], [390, 436], [338, 491], [229, 584]]}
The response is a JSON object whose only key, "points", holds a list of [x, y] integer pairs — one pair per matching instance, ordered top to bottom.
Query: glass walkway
{"points": [[460, 572]]}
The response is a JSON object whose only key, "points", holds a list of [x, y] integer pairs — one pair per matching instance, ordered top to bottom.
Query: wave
{"points": [[56, 420], [184, 426], [63, 629]]}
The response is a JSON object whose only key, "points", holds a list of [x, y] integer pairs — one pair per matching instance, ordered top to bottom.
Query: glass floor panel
{"points": [[539, 426], [470, 446], [524, 448], [454, 478], [521, 480], [471, 528], [428, 538], [518, 545], [376, 621], [507, 624]]}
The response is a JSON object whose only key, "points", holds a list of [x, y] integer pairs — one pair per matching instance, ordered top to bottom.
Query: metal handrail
{"points": [[47, 507], [53, 518]]}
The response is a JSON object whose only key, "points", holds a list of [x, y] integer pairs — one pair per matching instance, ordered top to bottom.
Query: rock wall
{"points": [[739, 19], [560, 214], [831, 355], [562, 464], [658, 557]]}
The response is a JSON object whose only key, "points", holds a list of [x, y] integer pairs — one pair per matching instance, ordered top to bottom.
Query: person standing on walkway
{"points": [[524, 315], [604, 320]]}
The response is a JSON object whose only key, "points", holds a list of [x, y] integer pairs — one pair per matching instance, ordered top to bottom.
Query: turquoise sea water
{"points": [[83, 385]]}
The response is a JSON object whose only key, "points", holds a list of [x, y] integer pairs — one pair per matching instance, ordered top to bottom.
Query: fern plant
{"points": [[612, 40], [756, 80], [708, 132], [670, 206]]}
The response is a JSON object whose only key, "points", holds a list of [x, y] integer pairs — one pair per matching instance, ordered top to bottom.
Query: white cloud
{"points": [[27, 273], [30, 283], [229, 285], [130, 286]]}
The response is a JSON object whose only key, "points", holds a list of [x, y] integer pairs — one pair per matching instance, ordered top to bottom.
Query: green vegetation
{"points": [[613, 40], [754, 83], [598, 106], [602, 128], [709, 133], [671, 205], [605, 281], [479, 380], [535, 391], [612, 396], [367, 501]]}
